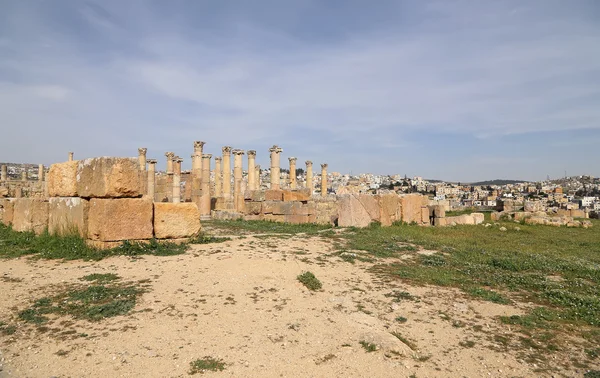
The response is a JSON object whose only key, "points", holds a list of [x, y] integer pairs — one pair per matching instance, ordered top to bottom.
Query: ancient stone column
{"points": [[70, 156], [169, 156], [142, 157], [251, 170], [197, 172], [226, 172], [292, 172], [4, 173], [41, 173], [275, 173], [24, 176], [309, 176], [151, 178], [177, 179], [257, 180], [323, 180], [218, 181], [18, 192], [238, 196], [205, 200]]}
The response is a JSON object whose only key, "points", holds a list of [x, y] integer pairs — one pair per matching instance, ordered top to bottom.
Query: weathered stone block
{"points": [[109, 177], [62, 179], [3, 191], [254, 195], [273, 195], [296, 195], [371, 205], [7, 207], [276, 207], [253, 208], [411, 208], [390, 209], [352, 213], [576, 213], [30, 214], [68, 214], [425, 215], [520, 215], [250, 217], [274, 218], [478, 218], [120, 219], [296, 219], [176, 220]]}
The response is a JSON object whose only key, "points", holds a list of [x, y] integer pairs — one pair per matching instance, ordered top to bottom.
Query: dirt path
{"points": [[240, 301]]}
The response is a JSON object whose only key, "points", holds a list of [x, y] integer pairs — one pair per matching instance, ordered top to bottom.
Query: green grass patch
{"points": [[203, 238], [73, 247], [557, 268], [100, 277], [309, 280], [92, 303], [401, 319], [7, 329], [369, 347], [207, 363]]}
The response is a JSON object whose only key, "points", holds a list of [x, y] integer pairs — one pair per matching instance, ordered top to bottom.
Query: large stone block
{"points": [[109, 177], [62, 179], [3, 191], [254, 195], [273, 195], [296, 195], [371, 204], [7, 207], [276, 207], [411, 207], [253, 208], [391, 210], [352, 213], [577, 213], [30, 214], [67, 215], [425, 215], [274, 218], [478, 218], [120, 219], [296, 219], [176, 220]]}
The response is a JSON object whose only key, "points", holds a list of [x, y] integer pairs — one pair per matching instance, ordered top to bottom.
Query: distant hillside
{"points": [[496, 182]]}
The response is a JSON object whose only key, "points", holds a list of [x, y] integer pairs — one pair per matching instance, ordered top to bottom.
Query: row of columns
{"points": [[4, 173], [201, 175]]}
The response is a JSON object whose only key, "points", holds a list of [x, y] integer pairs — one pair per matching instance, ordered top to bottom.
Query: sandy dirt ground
{"points": [[240, 301]]}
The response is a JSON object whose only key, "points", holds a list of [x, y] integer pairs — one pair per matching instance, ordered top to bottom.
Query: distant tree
{"points": [[299, 171]]}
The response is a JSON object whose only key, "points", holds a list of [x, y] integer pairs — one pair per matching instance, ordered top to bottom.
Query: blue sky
{"points": [[456, 90]]}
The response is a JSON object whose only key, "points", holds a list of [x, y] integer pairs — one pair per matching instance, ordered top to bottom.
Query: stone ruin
{"points": [[108, 200], [531, 212]]}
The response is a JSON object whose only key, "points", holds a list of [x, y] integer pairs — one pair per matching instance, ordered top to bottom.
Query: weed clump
{"points": [[310, 281], [369, 347], [207, 363]]}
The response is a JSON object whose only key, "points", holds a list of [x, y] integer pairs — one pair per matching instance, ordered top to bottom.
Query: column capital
{"points": [[198, 144], [276, 149], [226, 150], [142, 151], [238, 152], [251, 152], [170, 155], [206, 156], [218, 158], [178, 159], [292, 159], [151, 161], [309, 163], [257, 166], [324, 166]]}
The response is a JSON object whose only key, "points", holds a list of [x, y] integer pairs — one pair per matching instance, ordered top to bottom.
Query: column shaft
{"points": [[142, 157], [251, 170], [226, 172], [275, 172], [292, 172], [4, 173], [309, 176], [151, 178], [177, 180], [218, 180], [323, 180], [238, 196], [205, 200]]}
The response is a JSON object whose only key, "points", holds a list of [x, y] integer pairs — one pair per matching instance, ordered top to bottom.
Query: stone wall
{"points": [[103, 200]]}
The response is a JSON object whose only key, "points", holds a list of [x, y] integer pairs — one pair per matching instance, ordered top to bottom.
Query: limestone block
{"points": [[109, 177], [62, 179], [3, 191], [254, 195], [273, 195], [296, 195], [224, 204], [371, 205], [7, 207], [276, 207], [253, 208], [300, 208], [411, 208], [390, 209], [438, 211], [352, 213], [576, 213], [30, 214], [68, 214], [425, 215], [520, 215], [250, 217], [274, 218], [478, 218], [120, 219], [296, 219], [176, 220], [440, 222]]}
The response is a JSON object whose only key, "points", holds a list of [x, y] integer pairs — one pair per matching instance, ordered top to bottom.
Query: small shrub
{"points": [[310, 281], [401, 319], [369, 347], [206, 364]]}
